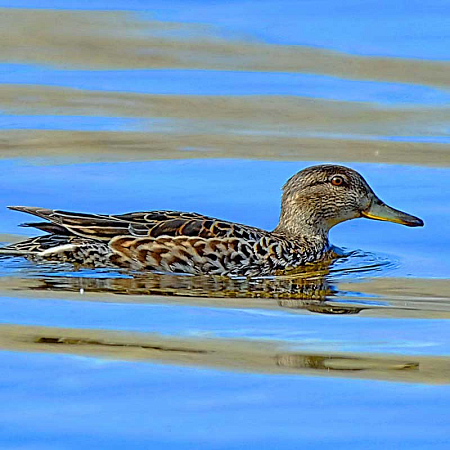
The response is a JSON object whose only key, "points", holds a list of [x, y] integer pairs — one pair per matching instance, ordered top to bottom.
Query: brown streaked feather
{"points": [[154, 224], [94, 226], [48, 227], [167, 241], [36, 244], [63, 248], [183, 254], [196, 255]]}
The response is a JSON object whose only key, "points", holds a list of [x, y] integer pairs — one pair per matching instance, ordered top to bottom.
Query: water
{"points": [[112, 107]]}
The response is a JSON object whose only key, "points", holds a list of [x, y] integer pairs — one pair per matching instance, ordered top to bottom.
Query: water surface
{"points": [[119, 106]]}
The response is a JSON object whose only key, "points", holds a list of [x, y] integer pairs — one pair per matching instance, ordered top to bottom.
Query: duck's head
{"points": [[319, 197]]}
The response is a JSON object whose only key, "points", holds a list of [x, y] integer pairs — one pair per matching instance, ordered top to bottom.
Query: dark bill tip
{"points": [[380, 211], [414, 222]]}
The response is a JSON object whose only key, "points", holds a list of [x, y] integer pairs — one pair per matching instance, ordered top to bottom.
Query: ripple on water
{"points": [[356, 264]]}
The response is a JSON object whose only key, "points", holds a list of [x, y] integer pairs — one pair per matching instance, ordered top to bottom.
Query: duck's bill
{"points": [[380, 211]]}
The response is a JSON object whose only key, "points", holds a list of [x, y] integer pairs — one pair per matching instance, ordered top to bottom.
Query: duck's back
{"points": [[149, 223], [157, 240]]}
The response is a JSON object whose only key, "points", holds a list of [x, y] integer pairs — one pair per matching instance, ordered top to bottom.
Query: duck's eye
{"points": [[337, 180]]}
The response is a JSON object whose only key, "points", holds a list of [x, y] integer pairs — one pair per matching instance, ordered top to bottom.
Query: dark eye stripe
{"points": [[316, 183]]}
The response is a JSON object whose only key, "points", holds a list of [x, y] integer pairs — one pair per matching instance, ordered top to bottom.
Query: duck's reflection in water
{"points": [[309, 291], [236, 355], [343, 363]]}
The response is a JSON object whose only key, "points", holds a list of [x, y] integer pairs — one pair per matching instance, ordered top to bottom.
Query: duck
{"points": [[313, 201]]}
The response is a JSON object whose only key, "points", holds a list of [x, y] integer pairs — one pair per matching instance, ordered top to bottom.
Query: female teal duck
{"points": [[314, 200]]}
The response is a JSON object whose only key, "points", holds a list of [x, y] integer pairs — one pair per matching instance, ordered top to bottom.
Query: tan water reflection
{"points": [[102, 39], [259, 127], [126, 146], [259, 357]]}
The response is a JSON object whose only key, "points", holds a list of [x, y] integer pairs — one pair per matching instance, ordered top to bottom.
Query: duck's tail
{"points": [[34, 246], [71, 249]]}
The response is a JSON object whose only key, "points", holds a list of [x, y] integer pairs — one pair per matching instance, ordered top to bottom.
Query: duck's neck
{"points": [[296, 222]]}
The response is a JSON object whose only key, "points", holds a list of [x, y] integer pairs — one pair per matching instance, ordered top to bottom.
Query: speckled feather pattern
{"points": [[167, 241]]}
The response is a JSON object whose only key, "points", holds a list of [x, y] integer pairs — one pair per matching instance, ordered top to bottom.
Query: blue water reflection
{"points": [[216, 82], [81, 123]]}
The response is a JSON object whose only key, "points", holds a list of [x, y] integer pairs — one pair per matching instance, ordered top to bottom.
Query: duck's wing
{"points": [[152, 224]]}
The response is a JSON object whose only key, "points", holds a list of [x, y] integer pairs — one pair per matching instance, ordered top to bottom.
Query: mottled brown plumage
{"points": [[314, 200]]}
